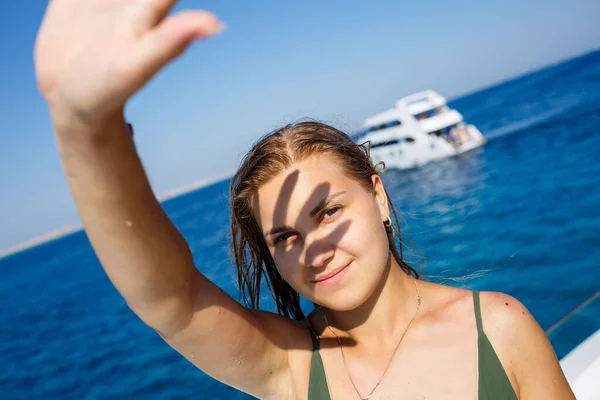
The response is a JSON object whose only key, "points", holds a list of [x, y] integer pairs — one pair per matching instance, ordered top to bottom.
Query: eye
{"points": [[330, 212], [283, 237]]}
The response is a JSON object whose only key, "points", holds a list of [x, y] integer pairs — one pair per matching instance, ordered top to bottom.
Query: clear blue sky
{"points": [[337, 61]]}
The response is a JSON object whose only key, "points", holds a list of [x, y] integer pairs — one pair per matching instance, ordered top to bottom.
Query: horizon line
{"points": [[67, 230]]}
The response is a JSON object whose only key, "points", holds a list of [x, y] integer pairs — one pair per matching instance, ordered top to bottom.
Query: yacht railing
{"points": [[574, 311]]}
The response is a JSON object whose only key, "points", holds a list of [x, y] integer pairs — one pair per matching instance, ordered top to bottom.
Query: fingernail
{"points": [[217, 27]]}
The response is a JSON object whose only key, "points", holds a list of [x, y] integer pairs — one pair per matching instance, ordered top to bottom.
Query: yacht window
{"points": [[426, 114], [386, 125], [409, 140], [386, 143]]}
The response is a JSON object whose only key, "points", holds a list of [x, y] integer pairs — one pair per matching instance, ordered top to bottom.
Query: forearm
{"points": [[142, 252]]}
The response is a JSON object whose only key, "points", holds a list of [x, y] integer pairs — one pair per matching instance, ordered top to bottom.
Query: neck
{"points": [[385, 314]]}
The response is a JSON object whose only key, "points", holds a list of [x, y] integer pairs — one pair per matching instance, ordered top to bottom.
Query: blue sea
{"points": [[520, 215]]}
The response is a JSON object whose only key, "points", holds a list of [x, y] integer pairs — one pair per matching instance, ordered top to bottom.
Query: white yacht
{"points": [[419, 129], [582, 365], [582, 368]]}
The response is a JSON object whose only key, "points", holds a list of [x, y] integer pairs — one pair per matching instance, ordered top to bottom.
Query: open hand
{"points": [[91, 56]]}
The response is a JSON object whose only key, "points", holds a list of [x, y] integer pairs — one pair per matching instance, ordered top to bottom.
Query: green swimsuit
{"points": [[493, 381]]}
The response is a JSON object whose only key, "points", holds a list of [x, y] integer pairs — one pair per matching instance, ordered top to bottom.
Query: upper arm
{"points": [[243, 348], [524, 348]]}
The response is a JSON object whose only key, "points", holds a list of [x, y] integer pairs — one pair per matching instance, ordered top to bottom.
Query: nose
{"points": [[318, 252]]}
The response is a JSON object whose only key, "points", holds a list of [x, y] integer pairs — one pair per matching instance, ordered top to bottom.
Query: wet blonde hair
{"points": [[269, 156]]}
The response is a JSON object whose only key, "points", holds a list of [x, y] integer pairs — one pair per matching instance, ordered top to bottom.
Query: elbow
{"points": [[172, 311], [167, 317]]}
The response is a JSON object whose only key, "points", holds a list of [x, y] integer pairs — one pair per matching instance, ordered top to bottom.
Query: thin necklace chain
{"points": [[393, 354]]}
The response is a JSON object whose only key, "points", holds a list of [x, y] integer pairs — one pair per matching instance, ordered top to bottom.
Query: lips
{"points": [[330, 274]]}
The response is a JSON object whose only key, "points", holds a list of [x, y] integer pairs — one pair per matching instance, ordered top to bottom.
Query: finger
{"points": [[159, 9], [170, 38]]}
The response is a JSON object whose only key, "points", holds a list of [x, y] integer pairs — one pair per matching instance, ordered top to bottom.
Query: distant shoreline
{"points": [[170, 194], [70, 229], [38, 240]]}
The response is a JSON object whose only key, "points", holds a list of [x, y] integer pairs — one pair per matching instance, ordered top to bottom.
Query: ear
{"points": [[380, 197]]}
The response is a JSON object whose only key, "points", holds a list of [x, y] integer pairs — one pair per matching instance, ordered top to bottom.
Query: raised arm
{"points": [[91, 57]]}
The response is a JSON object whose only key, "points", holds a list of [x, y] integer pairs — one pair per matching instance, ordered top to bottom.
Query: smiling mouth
{"points": [[329, 277]]}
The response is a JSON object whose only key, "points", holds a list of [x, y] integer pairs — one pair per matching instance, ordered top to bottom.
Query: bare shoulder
{"points": [[447, 301], [505, 317], [510, 325], [299, 346], [523, 347], [300, 352]]}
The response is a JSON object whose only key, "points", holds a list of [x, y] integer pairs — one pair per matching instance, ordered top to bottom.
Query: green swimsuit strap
{"points": [[477, 306], [315, 340], [493, 381], [317, 384]]}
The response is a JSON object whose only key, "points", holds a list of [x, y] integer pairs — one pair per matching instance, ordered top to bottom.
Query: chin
{"points": [[346, 299]]}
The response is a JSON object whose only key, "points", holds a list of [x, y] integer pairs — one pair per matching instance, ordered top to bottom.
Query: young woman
{"points": [[309, 214]]}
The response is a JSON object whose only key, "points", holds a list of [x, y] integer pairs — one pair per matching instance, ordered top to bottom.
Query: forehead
{"points": [[296, 191]]}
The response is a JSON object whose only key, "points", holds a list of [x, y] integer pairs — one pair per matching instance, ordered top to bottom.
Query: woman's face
{"points": [[325, 232]]}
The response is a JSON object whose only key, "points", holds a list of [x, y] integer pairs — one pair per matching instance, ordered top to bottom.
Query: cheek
{"points": [[366, 236], [368, 245], [287, 263]]}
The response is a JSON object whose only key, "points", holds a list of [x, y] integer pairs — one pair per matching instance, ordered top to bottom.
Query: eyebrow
{"points": [[320, 205]]}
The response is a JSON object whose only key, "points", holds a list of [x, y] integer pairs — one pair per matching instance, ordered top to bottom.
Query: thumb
{"points": [[169, 39]]}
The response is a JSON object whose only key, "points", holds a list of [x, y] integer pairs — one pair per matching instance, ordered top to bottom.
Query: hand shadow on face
{"points": [[318, 246]]}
